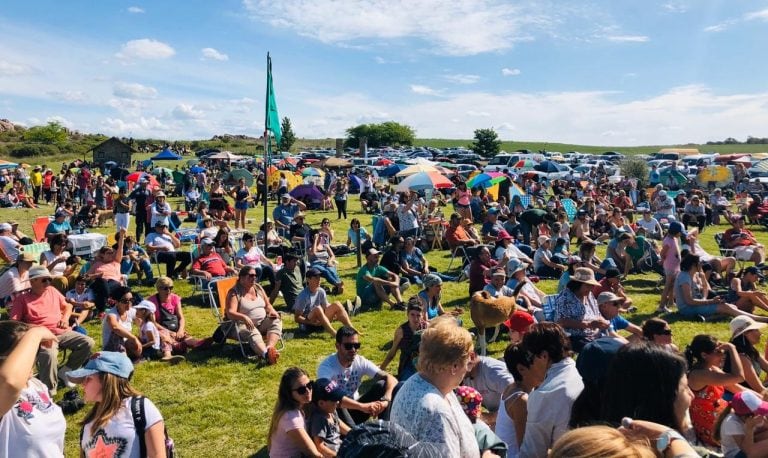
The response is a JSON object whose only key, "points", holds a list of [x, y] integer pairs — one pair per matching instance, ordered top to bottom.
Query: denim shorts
{"points": [[703, 310]]}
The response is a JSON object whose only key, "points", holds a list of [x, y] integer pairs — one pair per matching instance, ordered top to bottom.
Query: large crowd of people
{"points": [[573, 364]]}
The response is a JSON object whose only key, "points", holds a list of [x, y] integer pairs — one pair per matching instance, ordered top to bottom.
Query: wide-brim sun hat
{"points": [[584, 275], [742, 324]]}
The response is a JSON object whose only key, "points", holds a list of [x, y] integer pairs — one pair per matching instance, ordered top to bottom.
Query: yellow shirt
{"points": [[36, 178]]}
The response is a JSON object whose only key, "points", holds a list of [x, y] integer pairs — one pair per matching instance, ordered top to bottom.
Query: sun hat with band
{"points": [[39, 272], [584, 275], [742, 324], [111, 362]]}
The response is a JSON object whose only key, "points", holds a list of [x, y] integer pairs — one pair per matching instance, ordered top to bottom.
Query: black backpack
{"points": [[384, 439]]}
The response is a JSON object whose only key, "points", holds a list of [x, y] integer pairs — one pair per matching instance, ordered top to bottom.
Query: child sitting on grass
{"points": [[82, 302], [154, 342], [325, 428]]}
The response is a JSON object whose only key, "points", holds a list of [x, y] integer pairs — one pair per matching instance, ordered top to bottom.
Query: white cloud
{"points": [[675, 7], [135, 10], [757, 15], [494, 24], [723, 26], [628, 38], [145, 48], [212, 54], [13, 69], [510, 71], [462, 79], [423, 90], [133, 91], [67, 96], [186, 111], [478, 114], [61, 120], [138, 128]]}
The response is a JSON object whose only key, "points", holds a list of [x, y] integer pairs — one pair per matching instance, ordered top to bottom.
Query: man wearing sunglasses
{"points": [[43, 305], [347, 368]]}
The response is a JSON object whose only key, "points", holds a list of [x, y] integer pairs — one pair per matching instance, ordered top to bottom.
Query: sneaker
{"points": [[357, 305], [350, 308], [663, 309], [701, 318], [272, 356], [173, 360], [63, 377]]}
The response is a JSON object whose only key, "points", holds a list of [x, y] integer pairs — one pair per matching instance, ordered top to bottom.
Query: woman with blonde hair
{"points": [[106, 384], [426, 404], [287, 436], [602, 441]]}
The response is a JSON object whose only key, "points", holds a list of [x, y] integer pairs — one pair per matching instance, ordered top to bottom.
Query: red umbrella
{"points": [[384, 162], [136, 176]]}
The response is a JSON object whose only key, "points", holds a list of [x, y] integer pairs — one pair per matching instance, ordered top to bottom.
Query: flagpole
{"points": [[266, 150]]}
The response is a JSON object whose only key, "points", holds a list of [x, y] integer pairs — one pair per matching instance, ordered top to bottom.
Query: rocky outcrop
{"points": [[7, 126]]}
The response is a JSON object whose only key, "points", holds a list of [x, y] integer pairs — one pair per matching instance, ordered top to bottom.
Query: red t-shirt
{"points": [[732, 238], [213, 264], [44, 310]]}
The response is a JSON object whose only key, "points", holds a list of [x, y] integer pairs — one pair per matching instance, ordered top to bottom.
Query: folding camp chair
{"points": [[570, 208], [39, 227], [455, 252], [728, 252], [217, 295], [548, 307]]}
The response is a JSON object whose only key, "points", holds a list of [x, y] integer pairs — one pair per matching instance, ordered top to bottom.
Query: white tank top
{"points": [[505, 427]]}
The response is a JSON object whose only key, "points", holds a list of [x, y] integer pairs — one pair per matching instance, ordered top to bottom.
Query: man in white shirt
{"points": [[650, 225], [163, 244], [347, 369], [549, 405]]}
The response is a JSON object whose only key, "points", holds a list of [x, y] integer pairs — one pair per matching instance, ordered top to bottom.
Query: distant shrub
{"points": [[31, 150], [635, 167]]}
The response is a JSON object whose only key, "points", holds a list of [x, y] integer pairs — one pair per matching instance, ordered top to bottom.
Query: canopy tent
{"points": [[166, 155], [226, 155], [7, 165], [306, 191]]}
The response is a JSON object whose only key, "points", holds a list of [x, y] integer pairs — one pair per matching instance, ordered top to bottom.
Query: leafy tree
{"points": [[388, 133], [51, 134], [288, 137], [487, 143], [635, 167]]}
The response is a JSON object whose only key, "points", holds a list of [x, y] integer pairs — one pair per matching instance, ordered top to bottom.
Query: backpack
{"points": [[140, 424], [383, 439]]}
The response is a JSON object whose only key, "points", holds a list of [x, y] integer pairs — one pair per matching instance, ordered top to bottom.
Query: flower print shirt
{"points": [[35, 425]]}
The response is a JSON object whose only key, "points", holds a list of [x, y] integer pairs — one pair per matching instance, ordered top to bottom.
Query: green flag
{"points": [[272, 118]]}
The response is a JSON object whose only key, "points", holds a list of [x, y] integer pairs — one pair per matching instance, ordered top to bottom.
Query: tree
{"points": [[388, 133], [52, 134], [288, 138], [487, 143], [635, 167]]}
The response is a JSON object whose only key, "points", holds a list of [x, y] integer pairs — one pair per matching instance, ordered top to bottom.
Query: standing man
{"points": [[36, 180], [141, 197], [44, 306], [347, 368]]}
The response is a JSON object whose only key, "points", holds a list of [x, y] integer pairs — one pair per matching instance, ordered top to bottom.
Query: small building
{"points": [[113, 150]]}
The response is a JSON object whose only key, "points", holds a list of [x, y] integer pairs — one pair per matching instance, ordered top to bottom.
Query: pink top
{"points": [[464, 197], [672, 259], [109, 271], [171, 305], [45, 310], [281, 445]]}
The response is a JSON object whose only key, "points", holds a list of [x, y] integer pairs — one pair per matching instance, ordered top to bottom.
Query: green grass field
{"points": [[217, 404]]}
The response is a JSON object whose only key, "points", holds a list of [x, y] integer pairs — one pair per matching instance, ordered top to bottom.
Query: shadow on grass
{"points": [[261, 453]]}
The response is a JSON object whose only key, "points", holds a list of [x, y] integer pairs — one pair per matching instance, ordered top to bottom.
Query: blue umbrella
{"points": [[547, 167], [197, 169], [392, 170], [355, 184], [306, 191]]}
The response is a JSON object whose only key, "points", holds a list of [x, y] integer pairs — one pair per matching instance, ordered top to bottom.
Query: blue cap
{"points": [[493, 211], [676, 227], [110, 362], [327, 390]]}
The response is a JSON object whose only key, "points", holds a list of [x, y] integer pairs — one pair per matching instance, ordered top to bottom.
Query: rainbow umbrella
{"points": [[525, 164], [417, 168], [312, 172], [424, 180], [486, 180]]}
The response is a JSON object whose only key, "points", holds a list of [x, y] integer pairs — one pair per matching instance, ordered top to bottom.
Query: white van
{"points": [[508, 160]]}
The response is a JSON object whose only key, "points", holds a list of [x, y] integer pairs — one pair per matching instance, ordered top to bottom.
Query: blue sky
{"points": [[589, 72]]}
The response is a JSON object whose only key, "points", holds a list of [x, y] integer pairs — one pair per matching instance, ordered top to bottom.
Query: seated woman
{"points": [[202, 213], [209, 229], [327, 236], [352, 239], [274, 241], [223, 245], [505, 248], [251, 255], [321, 258], [413, 262], [543, 265], [722, 265], [64, 267], [480, 269], [104, 273], [690, 291], [527, 292], [743, 292], [429, 299], [248, 304], [576, 310], [170, 316], [117, 325], [745, 336], [402, 341], [708, 382], [513, 408], [288, 426]]}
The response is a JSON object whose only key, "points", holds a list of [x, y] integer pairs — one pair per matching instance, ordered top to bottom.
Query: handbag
{"points": [[168, 320]]}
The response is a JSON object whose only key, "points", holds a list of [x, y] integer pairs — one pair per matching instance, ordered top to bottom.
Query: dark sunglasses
{"points": [[252, 275], [45, 280], [166, 288], [125, 301], [665, 332], [349, 346], [304, 389]]}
